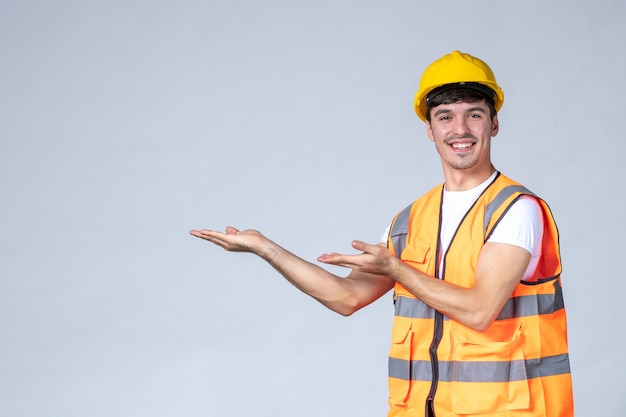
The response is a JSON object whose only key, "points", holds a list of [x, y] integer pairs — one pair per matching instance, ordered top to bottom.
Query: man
{"points": [[479, 324]]}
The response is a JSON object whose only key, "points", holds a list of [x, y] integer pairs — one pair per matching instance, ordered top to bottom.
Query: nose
{"points": [[461, 126]]}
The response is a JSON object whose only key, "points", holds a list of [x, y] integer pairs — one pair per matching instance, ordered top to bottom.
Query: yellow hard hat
{"points": [[457, 70]]}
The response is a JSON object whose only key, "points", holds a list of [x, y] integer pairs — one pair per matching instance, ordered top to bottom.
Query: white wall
{"points": [[123, 124]]}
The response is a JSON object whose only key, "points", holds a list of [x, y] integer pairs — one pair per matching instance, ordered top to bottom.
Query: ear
{"points": [[495, 126], [429, 131]]}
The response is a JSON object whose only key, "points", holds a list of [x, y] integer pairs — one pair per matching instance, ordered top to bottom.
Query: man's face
{"points": [[462, 134]]}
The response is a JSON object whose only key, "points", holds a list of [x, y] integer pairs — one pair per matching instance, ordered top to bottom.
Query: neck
{"points": [[461, 180]]}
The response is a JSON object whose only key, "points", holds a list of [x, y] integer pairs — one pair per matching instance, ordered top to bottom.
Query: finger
{"points": [[231, 230], [204, 232], [197, 233], [212, 236], [364, 247], [325, 257], [348, 261]]}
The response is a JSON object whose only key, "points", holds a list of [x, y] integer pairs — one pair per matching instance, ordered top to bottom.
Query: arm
{"points": [[500, 268], [342, 295]]}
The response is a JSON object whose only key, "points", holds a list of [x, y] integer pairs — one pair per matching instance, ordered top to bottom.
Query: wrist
{"points": [[268, 250], [395, 269]]}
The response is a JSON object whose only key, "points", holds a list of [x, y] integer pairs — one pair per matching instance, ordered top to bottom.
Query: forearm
{"points": [[499, 270], [329, 289], [342, 295], [458, 303]]}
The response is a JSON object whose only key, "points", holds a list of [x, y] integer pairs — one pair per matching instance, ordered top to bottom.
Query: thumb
{"points": [[231, 230], [358, 245]]}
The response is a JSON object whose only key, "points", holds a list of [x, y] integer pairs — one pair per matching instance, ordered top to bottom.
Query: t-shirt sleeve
{"points": [[522, 226], [385, 235]]}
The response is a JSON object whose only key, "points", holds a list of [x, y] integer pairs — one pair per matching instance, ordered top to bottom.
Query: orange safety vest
{"points": [[519, 366]]}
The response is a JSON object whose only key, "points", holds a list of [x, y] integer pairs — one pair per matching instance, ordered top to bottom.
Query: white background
{"points": [[123, 124]]}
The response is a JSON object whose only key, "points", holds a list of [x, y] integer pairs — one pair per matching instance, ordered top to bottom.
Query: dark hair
{"points": [[459, 95]]}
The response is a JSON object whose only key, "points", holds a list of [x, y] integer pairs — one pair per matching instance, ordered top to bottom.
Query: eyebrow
{"points": [[477, 108], [469, 110]]}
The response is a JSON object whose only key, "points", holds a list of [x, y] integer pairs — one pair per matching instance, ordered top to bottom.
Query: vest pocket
{"points": [[417, 255], [400, 362], [489, 377]]}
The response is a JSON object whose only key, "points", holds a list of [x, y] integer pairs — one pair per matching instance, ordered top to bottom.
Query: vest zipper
{"points": [[437, 331], [434, 361]]}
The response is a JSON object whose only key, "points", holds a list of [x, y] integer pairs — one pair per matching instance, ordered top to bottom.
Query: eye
{"points": [[474, 115]]}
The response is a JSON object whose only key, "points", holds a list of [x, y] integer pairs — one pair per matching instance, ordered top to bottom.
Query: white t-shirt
{"points": [[522, 225]]}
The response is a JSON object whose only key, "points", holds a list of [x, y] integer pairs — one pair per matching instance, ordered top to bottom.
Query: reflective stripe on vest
{"points": [[500, 199], [399, 230], [524, 306], [517, 370]]}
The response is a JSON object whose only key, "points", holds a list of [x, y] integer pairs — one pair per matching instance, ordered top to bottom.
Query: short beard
{"points": [[467, 161], [462, 165]]}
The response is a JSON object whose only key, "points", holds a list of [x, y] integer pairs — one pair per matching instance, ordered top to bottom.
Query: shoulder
{"points": [[525, 208], [522, 224]]}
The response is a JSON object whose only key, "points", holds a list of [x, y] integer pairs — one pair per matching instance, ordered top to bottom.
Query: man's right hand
{"points": [[233, 240]]}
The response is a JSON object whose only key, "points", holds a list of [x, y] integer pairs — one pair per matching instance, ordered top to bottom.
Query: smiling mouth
{"points": [[462, 146]]}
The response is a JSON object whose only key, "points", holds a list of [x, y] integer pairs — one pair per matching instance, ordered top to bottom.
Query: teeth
{"points": [[461, 145]]}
